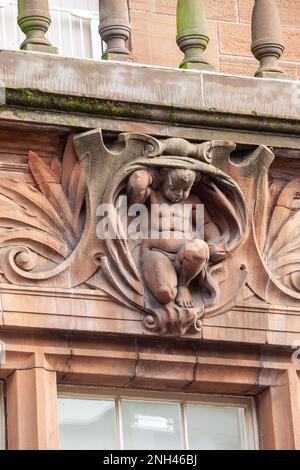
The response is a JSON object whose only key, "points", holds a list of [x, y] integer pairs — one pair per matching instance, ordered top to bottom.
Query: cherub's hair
{"points": [[184, 178]]}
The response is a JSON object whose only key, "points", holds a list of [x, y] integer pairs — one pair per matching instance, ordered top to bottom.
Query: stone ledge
{"points": [[139, 85], [47, 309], [229, 370]]}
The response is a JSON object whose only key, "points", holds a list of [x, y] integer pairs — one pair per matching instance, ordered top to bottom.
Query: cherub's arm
{"points": [[138, 187], [212, 233], [212, 236]]}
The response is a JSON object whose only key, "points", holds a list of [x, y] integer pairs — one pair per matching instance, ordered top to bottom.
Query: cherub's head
{"points": [[177, 184]]}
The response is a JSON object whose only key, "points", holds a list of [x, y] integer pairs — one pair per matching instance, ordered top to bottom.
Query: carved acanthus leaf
{"points": [[39, 228]]}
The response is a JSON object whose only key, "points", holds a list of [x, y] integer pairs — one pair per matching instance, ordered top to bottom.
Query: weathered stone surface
{"points": [[144, 5], [217, 9], [288, 10], [232, 21], [151, 39], [235, 39], [292, 44], [247, 67], [151, 85], [246, 94], [32, 397]]}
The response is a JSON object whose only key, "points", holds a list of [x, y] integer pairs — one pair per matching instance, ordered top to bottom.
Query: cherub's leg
{"points": [[190, 261], [160, 275]]}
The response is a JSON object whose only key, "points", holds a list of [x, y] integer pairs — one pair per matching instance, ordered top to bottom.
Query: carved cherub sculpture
{"points": [[170, 264]]}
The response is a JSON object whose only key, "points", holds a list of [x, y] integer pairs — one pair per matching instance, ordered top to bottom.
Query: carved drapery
{"points": [[49, 230]]}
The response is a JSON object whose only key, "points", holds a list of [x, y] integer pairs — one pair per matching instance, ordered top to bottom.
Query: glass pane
{"points": [[91, 5], [72, 27], [86, 424], [151, 425], [215, 427]]}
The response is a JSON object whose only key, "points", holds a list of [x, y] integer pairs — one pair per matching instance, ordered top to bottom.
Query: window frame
{"points": [[98, 46], [249, 425]]}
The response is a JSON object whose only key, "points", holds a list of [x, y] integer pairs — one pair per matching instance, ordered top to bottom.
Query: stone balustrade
{"points": [[34, 20], [115, 29], [192, 32], [267, 43]]}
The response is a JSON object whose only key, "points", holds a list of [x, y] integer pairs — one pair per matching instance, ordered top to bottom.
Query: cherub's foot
{"points": [[184, 298]]}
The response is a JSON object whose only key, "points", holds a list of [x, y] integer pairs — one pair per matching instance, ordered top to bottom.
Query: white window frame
{"points": [[98, 46], [2, 418], [249, 424]]}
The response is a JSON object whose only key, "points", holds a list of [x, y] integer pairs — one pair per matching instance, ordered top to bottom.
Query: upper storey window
{"points": [[74, 27], [136, 422]]}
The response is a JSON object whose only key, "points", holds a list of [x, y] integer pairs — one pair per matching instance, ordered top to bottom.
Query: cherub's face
{"points": [[175, 189]]}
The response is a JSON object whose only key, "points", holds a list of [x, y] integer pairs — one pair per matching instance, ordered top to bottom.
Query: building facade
{"points": [[112, 334]]}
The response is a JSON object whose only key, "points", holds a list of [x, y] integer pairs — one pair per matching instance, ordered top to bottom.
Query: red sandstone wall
{"points": [[154, 33]]}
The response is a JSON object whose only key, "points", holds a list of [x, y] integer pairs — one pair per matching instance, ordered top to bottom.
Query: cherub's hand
{"points": [[138, 187]]}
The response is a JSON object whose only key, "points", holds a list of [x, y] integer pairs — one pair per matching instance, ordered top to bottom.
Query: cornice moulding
{"points": [[134, 92]]}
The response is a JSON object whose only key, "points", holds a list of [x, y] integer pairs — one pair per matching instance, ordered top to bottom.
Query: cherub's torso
{"points": [[169, 222]]}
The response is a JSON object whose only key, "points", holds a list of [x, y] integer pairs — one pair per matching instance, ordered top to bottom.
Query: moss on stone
{"points": [[72, 106]]}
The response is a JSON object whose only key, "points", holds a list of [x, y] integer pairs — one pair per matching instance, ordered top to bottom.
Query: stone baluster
{"points": [[34, 20], [115, 29], [192, 34], [267, 44]]}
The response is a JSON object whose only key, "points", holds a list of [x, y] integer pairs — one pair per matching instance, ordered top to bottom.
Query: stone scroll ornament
{"points": [[49, 233]]}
